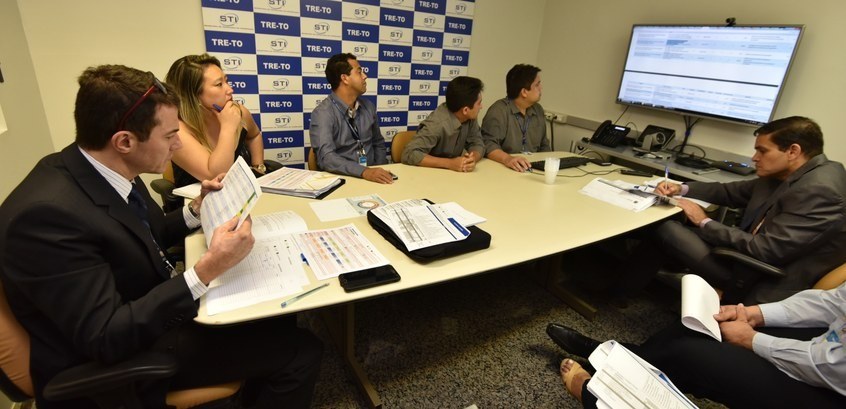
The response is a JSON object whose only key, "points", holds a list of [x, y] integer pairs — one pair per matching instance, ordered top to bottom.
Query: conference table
{"points": [[526, 218]]}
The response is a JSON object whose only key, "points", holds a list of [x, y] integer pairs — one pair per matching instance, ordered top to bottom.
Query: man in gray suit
{"points": [[795, 216]]}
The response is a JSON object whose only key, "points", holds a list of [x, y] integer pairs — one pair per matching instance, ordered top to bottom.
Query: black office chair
{"points": [[110, 386]]}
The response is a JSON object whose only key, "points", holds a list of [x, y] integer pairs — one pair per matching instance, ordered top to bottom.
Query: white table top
{"points": [[527, 219]]}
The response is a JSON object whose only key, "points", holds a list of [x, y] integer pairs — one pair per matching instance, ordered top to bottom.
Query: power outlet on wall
{"points": [[553, 116]]}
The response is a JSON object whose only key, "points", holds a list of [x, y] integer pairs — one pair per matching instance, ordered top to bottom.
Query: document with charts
{"points": [[239, 195], [420, 224], [332, 252], [273, 269], [625, 381]]}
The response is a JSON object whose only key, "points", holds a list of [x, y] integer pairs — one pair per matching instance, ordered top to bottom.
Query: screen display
{"points": [[728, 73]]}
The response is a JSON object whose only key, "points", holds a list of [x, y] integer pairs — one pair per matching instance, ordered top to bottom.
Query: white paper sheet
{"points": [[600, 189], [239, 195], [338, 209], [419, 224], [699, 304]]}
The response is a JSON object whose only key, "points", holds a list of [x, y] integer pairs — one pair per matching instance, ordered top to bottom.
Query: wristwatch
{"points": [[260, 168], [192, 211]]}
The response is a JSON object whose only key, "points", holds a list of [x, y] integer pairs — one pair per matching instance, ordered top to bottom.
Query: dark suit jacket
{"points": [[803, 229], [80, 269]]}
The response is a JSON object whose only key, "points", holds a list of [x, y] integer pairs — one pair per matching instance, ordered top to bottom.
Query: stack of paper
{"points": [[298, 182], [420, 224], [625, 381]]}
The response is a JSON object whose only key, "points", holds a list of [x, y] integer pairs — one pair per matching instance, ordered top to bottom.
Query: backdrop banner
{"points": [[274, 53]]}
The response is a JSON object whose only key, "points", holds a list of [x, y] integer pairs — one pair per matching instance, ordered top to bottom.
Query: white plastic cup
{"points": [[550, 170]]}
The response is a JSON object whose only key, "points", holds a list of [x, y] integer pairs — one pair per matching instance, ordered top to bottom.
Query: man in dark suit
{"points": [[795, 217], [84, 272]]}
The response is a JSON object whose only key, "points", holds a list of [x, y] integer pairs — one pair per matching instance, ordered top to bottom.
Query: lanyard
{"points": [[349, 114], [524, 128]]}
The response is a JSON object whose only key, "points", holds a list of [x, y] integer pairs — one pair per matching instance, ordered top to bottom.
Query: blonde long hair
{"points": [[186, 77]]}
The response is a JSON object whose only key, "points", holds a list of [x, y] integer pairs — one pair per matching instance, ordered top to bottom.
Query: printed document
{"points": [[298, 182], [616, 193], [239, 195], [420, 224], [332, 252], [272, 270], [699, 304], [625, 381]]}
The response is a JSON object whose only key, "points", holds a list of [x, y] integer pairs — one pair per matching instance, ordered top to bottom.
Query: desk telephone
{"points": [[609, 134]]}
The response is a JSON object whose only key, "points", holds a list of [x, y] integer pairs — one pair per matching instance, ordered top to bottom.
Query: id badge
{"points": [[362, 159]]}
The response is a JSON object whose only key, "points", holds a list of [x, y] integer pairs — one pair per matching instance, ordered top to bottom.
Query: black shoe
{"points": [[571, 341]]}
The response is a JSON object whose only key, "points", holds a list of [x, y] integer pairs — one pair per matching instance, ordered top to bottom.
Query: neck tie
{"points": [[139, 206]]}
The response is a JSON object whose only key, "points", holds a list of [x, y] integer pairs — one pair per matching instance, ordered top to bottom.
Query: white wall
{"points": [[584, 43], [27, 138]]}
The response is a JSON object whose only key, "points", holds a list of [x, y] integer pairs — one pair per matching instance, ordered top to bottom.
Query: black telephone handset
{"points": [[609, 134]]}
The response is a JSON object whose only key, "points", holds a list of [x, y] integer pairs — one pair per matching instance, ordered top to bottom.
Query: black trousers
{"points": [[672, 241], [278, 361], [729, 374]]}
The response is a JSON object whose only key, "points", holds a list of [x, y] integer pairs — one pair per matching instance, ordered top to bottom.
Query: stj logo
{"points": [[398, 2], [276, 4], [460, 8], [360, 13], [228, 19], [428, 21], [321, 28], [395, 35], [456, 41], [279, 44], [360, 50], [427, 55], [231, 63], [320, 66], [394, 70], [453, 72], [281, 84], [425, 86], [239, 100], [318, 101], [393, 102], [422, 117], [282, 121], [391, 133], [284, 155]]}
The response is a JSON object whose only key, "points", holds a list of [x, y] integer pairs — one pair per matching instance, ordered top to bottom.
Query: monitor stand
{"points": [[692, 162]]}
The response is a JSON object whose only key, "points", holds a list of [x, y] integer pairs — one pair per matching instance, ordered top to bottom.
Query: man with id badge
{"points": [[516, 123], [344, 129]]}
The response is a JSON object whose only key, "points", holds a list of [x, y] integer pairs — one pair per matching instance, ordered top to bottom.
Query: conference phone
{"points": [[609, 134]]}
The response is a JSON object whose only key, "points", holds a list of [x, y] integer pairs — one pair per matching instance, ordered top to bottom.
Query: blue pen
{"points": [[297, 297]]}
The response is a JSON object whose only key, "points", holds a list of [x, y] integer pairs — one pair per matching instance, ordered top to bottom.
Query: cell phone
{"points": [[393, 176], [359, 280]]}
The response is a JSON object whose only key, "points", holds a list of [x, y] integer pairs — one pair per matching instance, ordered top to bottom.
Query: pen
{"points": [[666, 174], [297, 297]]}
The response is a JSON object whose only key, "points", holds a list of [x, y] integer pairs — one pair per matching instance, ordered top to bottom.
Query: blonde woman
{"points": [[214, 129]]}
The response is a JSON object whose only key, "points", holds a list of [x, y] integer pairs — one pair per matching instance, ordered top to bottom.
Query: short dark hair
{"points": [[338, 65], [520, 77], [463, 92], [106, 93], [795, 129]]}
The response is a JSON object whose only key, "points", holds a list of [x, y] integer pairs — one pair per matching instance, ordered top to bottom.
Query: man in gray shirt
{"points": [[516, 123], [344, 128], [450, 137]]}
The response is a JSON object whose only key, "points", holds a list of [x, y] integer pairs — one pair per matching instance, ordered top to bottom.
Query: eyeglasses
{"points": [[156, 85]]}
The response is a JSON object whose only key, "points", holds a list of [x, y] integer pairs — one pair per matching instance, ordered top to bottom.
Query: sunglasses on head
{"points": [[156, 85]]}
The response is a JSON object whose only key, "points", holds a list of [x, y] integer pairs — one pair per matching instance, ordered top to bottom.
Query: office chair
{"points": [[398, 144], [312, 159], [830, 280], [111, 386]]}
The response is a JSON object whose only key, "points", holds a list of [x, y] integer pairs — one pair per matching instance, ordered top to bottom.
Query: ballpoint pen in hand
{"points": [[297, 297]]}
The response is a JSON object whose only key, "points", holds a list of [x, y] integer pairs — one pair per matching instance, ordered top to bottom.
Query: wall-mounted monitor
{"points": [[731, 73]]}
